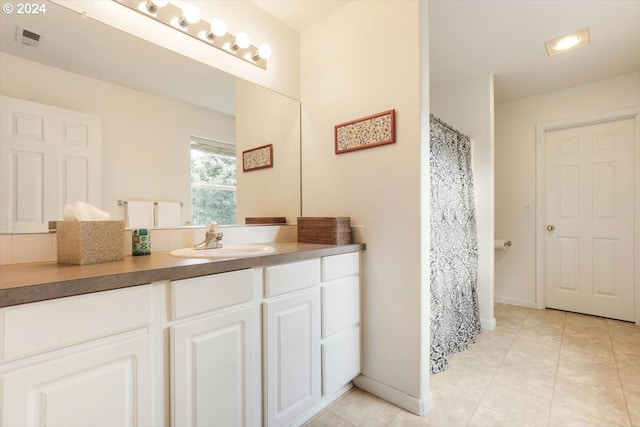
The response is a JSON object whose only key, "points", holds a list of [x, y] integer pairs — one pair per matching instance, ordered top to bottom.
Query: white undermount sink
{"points": [[227, 251]]}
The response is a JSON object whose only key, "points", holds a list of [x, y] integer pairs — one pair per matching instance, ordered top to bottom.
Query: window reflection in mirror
{"points": [[213, 181]]}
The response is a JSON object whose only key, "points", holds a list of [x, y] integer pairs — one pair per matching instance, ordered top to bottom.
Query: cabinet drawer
{"points": [[336, 266], [281, 279], [206, 293], [340, 305], [42, 326], [340, 360]]}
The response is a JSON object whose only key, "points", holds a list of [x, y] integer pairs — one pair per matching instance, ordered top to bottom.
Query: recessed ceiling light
{"points": [[567, 42]]}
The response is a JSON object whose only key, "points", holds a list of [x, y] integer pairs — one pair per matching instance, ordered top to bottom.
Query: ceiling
{"points": [[301, 14], [469, 39]]}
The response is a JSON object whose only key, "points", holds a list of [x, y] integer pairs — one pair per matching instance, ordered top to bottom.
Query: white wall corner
{"points": [[417, 405]]}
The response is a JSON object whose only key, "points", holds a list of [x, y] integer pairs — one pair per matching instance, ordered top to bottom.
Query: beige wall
{"points": [[364, 59], [282, 74], [468, 107], [263, 117], [145, 137], [515, 280]]}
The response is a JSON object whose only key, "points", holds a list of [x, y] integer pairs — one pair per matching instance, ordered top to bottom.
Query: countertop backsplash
{"points": [[20, 248]]}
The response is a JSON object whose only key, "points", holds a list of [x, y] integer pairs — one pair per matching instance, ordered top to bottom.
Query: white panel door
{"points": [[49, 156], [590, 215], [291, 356], [212, 370], [108, 386]]}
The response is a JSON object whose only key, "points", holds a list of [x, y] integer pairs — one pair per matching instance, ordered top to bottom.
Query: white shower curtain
{"points": [[455, 321]]}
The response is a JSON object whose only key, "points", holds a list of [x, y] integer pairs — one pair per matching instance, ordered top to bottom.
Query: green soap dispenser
{"points": [[141, 242]]}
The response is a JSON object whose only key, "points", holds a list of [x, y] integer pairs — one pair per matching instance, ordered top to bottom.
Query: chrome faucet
{"points": [[211, 238]]}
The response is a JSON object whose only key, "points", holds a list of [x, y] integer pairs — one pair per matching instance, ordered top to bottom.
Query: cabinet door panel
{"points": [[336, 266], [285, 278], [208, 293], [340, 305], [73, 320], [292, 355], [340, 360], [212, 374], [107, 386]]}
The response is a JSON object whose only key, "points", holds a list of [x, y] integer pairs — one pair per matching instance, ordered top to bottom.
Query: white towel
{"points": [[139, 214], [168, 214]]}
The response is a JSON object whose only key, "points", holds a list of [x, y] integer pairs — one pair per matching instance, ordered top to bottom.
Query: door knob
{"points": [[551, 227]]}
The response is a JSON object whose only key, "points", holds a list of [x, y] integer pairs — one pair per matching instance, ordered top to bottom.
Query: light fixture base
{"points": [[168, 14], [567, 42]]}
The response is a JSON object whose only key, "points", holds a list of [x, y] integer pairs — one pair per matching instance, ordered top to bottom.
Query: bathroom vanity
{"points": [[158, 340]]}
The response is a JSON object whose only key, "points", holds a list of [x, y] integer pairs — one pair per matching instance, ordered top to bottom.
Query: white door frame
{"points": [[541, 130]]}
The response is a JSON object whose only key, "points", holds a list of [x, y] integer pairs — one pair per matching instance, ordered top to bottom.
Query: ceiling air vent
{"points": [[28, 37]]}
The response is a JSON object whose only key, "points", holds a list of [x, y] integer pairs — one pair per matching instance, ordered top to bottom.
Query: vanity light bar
{"points": [[173, 16]]}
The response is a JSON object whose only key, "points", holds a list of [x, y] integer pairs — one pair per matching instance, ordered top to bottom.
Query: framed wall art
{"points": [[366, 132], [257, 158]]}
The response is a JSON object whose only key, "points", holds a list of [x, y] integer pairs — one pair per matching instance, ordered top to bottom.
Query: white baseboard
{"points": [[515, 301], [488, 323], [410, 403]]}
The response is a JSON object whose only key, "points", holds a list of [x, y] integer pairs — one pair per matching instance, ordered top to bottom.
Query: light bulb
{"points": [[154, 5], [190, 15], [218, 27], [242, 41], [567, 43], [264, 51]]}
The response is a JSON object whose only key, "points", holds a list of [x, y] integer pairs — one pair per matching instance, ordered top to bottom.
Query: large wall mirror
{"points": [[153, 104]]}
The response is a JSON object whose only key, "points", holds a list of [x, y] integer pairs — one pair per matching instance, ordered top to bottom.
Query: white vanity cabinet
{"points": [[291, 343], [263, 346], [214, 351], [78, 361]]}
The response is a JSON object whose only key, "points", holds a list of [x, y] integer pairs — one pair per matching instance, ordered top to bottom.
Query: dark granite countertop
{"points": [[39, 281]]}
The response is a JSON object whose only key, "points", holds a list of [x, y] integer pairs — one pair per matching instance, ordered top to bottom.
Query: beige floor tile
{"points": [[508, 308], [546, 317], [586, 320], [508, 323], [620, 324], [543, 335], [499, 339], [627, 343], [600, 348], [541, 350], [480, 360], [628, 368], [596, 373], [527, 374], [469, 386], [631, 389], [607, 406], [520, 407], [363, 409], [450, 409], [634, 413], [563, 416], [487, 417], [327, 419], [407, 419]]}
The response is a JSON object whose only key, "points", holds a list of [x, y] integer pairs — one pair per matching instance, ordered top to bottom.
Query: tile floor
{"points": [[537, 368]]}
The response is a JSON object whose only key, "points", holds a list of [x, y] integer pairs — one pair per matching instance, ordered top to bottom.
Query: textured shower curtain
{"points": [[455, 320]]}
